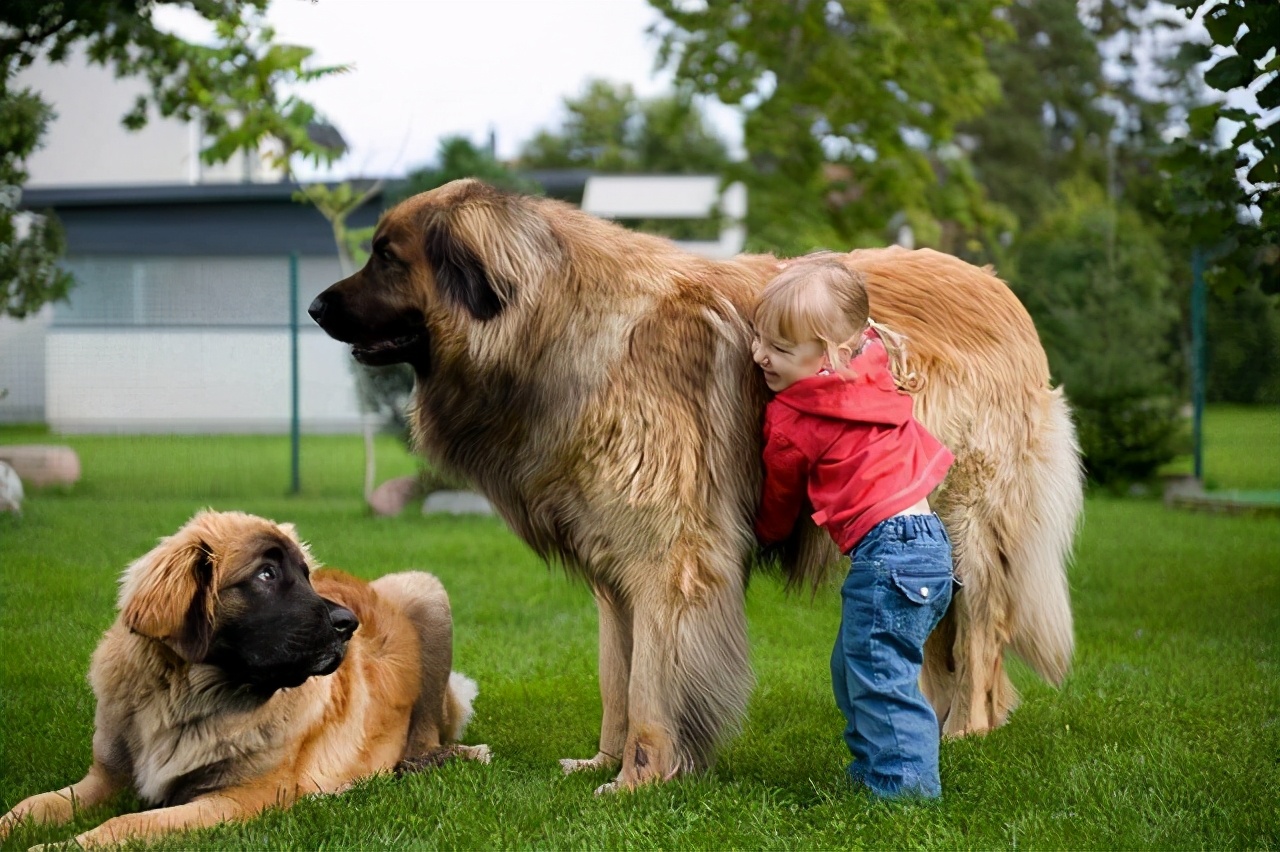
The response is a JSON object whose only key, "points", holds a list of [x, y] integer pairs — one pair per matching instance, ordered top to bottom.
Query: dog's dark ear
{"points": [[490, 249], [461, 274], [169, 595]]}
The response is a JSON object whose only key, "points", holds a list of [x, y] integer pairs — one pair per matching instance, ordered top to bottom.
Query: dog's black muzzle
{"points": [[377, 338]]}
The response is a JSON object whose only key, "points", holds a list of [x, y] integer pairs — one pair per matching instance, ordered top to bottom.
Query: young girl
{"points": [[840, 438]]}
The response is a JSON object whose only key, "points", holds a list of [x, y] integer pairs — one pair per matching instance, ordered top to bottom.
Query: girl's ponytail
{"points": [[895, 346]]}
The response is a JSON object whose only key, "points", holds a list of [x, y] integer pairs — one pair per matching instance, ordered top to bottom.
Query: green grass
{"points": [[1239, 449], [1165, 735]]}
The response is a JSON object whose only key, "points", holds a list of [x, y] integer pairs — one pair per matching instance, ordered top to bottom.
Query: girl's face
{"points": [[785, 363]]}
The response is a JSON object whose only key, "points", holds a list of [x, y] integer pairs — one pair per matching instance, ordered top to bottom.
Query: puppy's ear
{"points": [[169, 595]]}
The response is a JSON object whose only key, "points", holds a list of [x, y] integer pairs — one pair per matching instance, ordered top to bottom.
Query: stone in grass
{"points": [[42, 464], [10, 490], [390, 498], [456, 503]]}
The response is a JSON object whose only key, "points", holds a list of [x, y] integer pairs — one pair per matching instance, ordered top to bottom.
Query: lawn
{"points": [[1239, 449], [1165, 735]]}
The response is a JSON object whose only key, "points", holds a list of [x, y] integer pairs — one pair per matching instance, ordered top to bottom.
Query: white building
{"points": [[86, 145], [180, 318]]}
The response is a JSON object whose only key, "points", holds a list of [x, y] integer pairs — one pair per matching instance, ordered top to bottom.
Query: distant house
{"points": [[86, 145], [181, 318]]}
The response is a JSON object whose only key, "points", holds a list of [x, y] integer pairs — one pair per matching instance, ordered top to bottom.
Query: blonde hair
{"points": [[820, 300]]}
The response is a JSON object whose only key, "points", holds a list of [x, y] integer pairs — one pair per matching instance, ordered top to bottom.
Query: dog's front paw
{"points": [[600, 761]]}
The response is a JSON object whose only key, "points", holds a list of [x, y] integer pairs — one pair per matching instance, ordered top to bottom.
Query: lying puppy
{"points": [[235, 679]]}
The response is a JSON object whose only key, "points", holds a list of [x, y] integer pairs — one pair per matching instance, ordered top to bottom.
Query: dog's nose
{"points": [[317, 308], [344, 621]]}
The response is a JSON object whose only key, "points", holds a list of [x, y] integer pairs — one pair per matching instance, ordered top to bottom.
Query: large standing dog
{"points": [[597, 385], [234, 679]]}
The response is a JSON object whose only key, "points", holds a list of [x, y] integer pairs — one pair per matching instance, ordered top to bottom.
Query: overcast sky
{"points": [[423, 69]]}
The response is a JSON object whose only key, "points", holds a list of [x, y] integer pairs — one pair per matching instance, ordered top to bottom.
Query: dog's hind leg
{"points": [[1011, 511], [424, 600], [964, 675], [615, 677], [983, 695]]}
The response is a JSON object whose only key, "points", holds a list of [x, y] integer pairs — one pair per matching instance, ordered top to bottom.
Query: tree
{"points": [[1249, 30], [233, 87], [850, 111], [1065, 117], [1048, 125], [609, 129], [458, 157], [1239, 226], [30, 245], [1095, 278], [1243, 339], [380, 391]]}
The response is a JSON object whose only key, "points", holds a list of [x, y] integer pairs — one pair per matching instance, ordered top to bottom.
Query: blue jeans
{"points": [[898, 588]]}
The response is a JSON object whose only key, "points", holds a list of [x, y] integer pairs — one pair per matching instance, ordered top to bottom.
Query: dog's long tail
{"points": [[1039, 601], [459, 701]]}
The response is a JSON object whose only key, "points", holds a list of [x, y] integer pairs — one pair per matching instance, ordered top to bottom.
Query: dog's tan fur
{"points": [[596, 384], [160, 717]]}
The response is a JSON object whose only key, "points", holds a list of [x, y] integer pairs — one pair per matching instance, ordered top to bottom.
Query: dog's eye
{"points": [[267, 573]]}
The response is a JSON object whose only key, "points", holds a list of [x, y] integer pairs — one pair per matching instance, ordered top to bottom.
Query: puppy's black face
{"points": [[272, 630]]}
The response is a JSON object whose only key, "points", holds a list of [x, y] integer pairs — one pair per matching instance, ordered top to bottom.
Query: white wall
{"points": [[86, 145], [200, 344], [22, 367], [195, 380]]}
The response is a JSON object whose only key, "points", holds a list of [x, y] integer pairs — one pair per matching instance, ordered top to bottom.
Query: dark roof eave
{"points": [[556, 182], [143, 194]]}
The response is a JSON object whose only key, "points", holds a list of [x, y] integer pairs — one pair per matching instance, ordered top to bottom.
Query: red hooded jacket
{"points": [[850, 447]]}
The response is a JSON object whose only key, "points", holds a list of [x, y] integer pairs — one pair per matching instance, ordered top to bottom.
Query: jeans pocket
{"points": [[923, 588], [921, 599]]}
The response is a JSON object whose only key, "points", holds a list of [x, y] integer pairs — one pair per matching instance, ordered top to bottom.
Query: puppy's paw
{"points": [[478, 753], [441, 756], [600, 761], [607, 789]]}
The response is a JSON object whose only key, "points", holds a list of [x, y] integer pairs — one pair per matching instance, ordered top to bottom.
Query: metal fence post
{"points": [[1197, 359], [295, 485]]}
